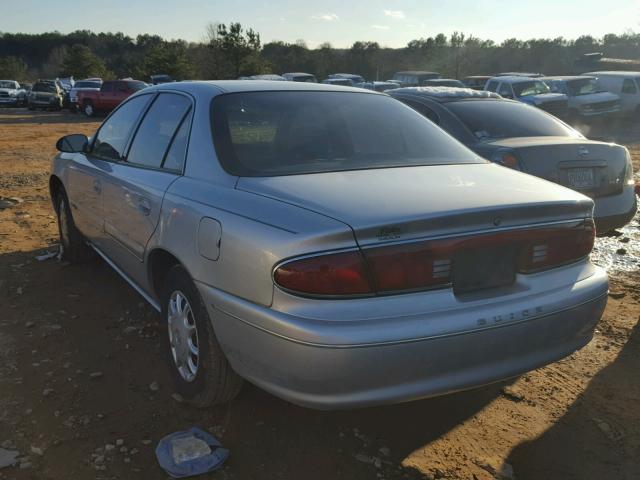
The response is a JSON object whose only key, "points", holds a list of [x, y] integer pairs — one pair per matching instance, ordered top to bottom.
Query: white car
{"points": [[624, 84], [586, 98]]}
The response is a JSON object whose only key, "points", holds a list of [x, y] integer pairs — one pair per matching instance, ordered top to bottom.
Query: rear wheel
{"points": [[87, 109], [72, 244], [201, 372]]}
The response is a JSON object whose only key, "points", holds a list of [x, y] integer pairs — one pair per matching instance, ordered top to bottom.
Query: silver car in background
{"points": [[328, 244]]}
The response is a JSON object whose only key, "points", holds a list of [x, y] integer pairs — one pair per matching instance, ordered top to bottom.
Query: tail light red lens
{"points": [[430, 264], [333, 274]]}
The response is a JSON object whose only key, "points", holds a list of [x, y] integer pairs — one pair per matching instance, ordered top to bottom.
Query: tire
{"points": [[87, 109], [72, 244], [213, 382]]}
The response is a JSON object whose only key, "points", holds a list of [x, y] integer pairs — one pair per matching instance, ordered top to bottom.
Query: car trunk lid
{"points": [[595, 169], [398, 204]]}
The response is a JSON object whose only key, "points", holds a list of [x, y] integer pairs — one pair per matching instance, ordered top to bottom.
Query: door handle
{"points": [[97, 186], [144, 207]]}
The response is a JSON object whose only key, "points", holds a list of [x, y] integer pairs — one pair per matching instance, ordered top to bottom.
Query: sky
{"points": [[339, 22]]}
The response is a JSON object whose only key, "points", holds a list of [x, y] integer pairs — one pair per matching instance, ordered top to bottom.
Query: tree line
{"points": [[230, 51]]}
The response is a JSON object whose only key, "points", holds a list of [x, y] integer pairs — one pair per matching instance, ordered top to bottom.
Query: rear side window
{"points": [[492, 86], [628, 86], [107, 87], [505, 90], [423, 110], [495, 119], [158, 129], [114, 133], [289, 133], [178, 149]]}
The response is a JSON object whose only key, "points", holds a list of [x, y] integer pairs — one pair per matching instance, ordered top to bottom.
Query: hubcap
{"points": [[88, 110], [183, 336]]}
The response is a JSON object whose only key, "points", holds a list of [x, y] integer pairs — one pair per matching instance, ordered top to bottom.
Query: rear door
{"points": [[136, 187]]}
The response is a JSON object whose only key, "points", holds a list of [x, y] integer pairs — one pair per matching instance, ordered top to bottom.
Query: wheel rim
{"points": [[88, 110], [183, 336]]}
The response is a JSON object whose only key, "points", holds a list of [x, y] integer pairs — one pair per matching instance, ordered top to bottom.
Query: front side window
{"points": [[87, 84], [628, 86], [534, 87], [505, 91], [496, 119], [158, 129], [114, 133], [288, 133]]}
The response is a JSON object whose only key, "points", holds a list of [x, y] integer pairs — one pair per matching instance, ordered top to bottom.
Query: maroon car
{"points": [[110, 95]]}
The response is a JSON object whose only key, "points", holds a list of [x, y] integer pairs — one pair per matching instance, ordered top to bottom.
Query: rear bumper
{"points": [[615, 211], [312, 363]]}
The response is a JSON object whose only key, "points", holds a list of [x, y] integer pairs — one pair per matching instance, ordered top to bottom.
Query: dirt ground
{"points": [[81, 367]]}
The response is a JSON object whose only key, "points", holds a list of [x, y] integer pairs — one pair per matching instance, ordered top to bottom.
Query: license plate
{"points": [[580, 177], [480, 268]]}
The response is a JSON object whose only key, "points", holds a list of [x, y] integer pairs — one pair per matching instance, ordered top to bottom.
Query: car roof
{"points": [[417, 72], [298, 73], [613, 73], [478, 76], [566, 78], [513, 79], [218, 87], [444, 94]]}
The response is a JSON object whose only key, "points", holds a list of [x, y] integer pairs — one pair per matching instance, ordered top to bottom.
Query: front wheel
{"points": [[88, 110], [201, 372]]}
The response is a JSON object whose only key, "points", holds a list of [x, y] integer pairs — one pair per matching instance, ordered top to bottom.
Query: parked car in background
{"points": [[520, 74], [269, 76], [349, 76], [299, 77], [160, 78], [413, 78], [345, 82], [443, 82], [476, 82], [67, 84], [624, 84], [87, 85], [378, 86], [532, 91], [12, 94], [46, 94], [110, 95], [587, 100], [524, 138], [289, 228]]}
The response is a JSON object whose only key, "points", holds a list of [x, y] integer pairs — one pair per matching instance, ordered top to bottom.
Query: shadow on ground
{"points": [[77, 319], [598, 436]]}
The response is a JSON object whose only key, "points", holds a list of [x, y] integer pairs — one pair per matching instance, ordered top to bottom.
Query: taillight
{"points": [[506, 158], [628, 174], [547, 248], [430, 264], [332, 274]]}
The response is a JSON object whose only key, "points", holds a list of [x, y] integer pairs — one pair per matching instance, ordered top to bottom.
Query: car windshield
{"points": [[7, 84], [86, 84], [136, 85], [582, 86], [44, 87], [534, 87], [495, 119], [288, 133]]}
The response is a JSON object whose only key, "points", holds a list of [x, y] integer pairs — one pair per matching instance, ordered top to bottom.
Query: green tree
{"points": [[240, 48], [169, 58], [79, 61], [13, 68]]}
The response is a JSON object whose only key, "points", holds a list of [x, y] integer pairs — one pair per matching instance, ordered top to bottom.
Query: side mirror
{"points": [[76, 143]]}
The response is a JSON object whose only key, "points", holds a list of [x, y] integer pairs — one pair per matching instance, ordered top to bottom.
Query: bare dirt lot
{"points": [[81, 367]]}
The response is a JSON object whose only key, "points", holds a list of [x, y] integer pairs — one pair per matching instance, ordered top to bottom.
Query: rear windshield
{"points": [[87, 84], [136, 85], [44, 87], [493, 119], [288, 133]]}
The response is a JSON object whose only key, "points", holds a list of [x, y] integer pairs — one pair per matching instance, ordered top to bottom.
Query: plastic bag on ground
{"points": [[189, 453]]}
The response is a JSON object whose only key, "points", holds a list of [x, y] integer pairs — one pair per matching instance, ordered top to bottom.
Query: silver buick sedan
{"points": [[328, 244]]}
